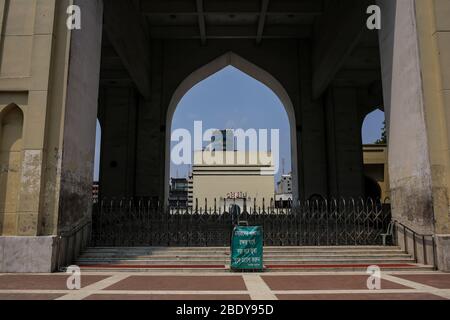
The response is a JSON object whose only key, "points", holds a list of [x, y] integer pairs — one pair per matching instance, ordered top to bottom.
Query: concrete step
{"points": [[227, 249], [272, 251], [226, 252], [266, 255], [225, 257], [217, 259], [299, 261]]}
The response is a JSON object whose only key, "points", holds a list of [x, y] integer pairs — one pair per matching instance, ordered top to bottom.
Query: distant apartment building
{"points": [[284, 186], [95, 191], [190, 191], [179, 193], [283, 195]]}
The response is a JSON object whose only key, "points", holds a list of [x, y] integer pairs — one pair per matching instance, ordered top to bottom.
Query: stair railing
{"points": [[415, 236], [71, 243]]}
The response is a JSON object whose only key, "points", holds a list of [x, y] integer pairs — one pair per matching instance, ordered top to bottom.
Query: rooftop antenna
{"points": [[282, 165]]}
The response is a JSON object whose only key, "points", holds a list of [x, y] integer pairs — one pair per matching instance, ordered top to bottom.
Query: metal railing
{"points": [[320, 222], [415, 237], [72, 243]]}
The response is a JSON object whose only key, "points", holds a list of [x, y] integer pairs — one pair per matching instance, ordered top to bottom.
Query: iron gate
{"points": [[307, 223]]}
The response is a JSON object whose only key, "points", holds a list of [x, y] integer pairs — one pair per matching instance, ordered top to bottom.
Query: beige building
{"points": [[376, 172], [230, 177]]}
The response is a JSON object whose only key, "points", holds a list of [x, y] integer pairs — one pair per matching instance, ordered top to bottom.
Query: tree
{"points": [[383, 139]]}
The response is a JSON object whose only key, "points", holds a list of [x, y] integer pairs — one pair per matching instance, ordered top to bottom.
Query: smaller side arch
{"points": [[11, 131]]}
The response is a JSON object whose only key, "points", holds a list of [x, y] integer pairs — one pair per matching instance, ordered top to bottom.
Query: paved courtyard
{"points": [[226, 286]]}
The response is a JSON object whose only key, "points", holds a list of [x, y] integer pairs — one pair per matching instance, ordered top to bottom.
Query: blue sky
{"points": [[232, 99]]}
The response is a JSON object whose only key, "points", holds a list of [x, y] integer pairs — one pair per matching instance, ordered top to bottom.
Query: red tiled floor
{"points": [[153, 266], [334, 266], [440, 281], [42, 282], [324, 282], [180, 283], [30, 296], [361, 296], [168, 297]]}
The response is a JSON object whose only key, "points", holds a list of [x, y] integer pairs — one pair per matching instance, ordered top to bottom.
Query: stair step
{"points": [[268, 248], [266, 254], [226, 257], [216, 259], [223, 261]]}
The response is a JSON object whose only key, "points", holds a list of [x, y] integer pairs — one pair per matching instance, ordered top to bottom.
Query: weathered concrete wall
{"points": [[28, 36], [415, 45], [434, 45], [80, 117], [57, 136], [409, 162], [48, 218], [28, 254]]}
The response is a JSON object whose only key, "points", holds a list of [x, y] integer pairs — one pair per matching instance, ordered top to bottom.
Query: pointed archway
{"points": [[232, 59]]}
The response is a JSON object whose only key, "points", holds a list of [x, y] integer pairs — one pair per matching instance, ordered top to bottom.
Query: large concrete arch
{"points": [[232, 59], [323, 65]]}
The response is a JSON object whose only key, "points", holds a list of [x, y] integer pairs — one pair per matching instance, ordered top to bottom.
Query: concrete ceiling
{"points": [[235, 19], [257, 20]]}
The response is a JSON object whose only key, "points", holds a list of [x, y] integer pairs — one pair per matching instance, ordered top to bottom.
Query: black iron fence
{"points": [[136, 222]]}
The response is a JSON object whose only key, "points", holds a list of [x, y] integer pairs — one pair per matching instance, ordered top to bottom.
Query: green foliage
{"points": [[383, 139]]}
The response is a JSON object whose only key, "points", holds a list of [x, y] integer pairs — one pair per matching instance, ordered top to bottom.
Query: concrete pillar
{"points": [[414, 46], [434, 46], [52, 74], [80, 117], [118, 118], [151, 132], [311, 134], [345, 158], [409, 162]]}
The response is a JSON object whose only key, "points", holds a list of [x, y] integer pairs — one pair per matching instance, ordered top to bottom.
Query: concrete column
{"points": [[433, 31], [32, 43], [413, 47], [53, 74], [80, 117], [118, 119], [151, 132], [311, 135], [345, 158], [409, 162]]}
